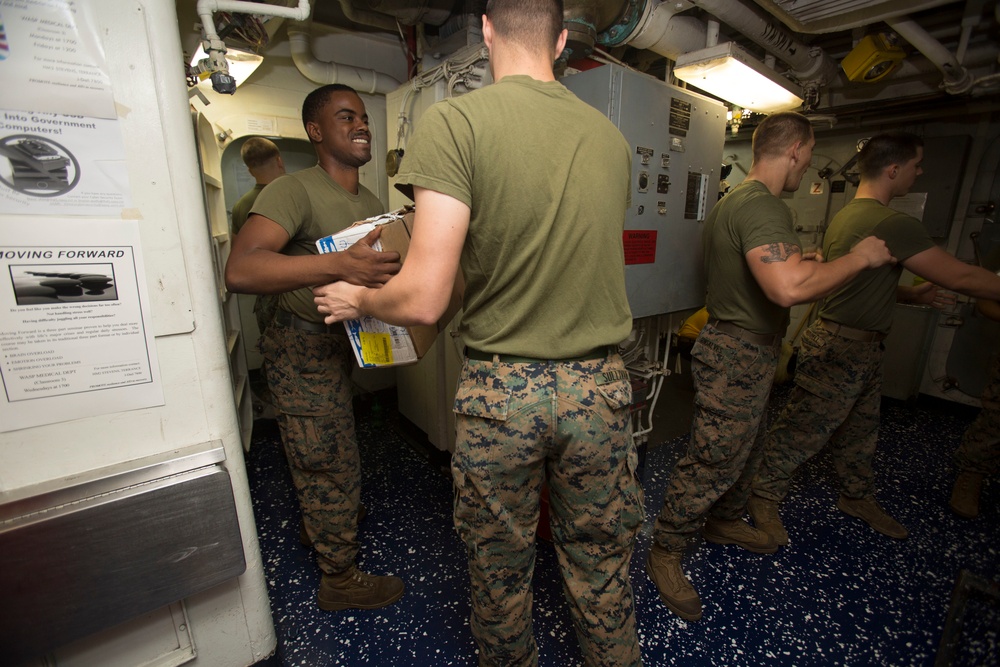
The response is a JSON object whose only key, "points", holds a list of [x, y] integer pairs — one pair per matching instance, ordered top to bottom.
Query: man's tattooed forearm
{"points": [[779, 252]]}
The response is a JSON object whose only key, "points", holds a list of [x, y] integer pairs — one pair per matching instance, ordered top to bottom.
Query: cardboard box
{"points": [[378, 344]]}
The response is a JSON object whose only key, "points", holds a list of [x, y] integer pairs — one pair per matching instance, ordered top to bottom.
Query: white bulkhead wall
{"points": [[143, 40], [230, 624]]}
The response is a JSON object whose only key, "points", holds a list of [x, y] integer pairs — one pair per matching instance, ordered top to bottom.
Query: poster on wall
{"points": [[52, 60], [52, 163], [75, 336]]}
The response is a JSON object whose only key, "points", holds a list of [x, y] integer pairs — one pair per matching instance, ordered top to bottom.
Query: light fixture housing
{"points": [[873, 59], [241, 65], [730, 73]]}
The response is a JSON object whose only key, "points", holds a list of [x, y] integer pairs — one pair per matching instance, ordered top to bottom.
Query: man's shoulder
{"points": [[297, 181], [248, 197], [748, 200], [869, 212]]}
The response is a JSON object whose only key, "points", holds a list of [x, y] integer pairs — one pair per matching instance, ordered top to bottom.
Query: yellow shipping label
{"points": [[376, 348]]}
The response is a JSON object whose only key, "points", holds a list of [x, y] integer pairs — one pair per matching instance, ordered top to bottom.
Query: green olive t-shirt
{"points": [[546, 177], [309, 205], [748, 217], [868, 301]]}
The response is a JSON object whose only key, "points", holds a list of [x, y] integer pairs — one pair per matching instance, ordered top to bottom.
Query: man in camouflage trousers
{"points": [[535, 219], [755, 271], [308, 362], [838, 378], [978, 457]]}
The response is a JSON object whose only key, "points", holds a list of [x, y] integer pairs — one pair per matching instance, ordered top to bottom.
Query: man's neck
{"points": [[509, 60], [770, 175], [345, 176], [874, 190]]}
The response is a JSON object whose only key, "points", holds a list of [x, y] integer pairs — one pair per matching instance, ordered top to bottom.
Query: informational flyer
{"points": [[51, 59], [52, 163], [75, 336]]}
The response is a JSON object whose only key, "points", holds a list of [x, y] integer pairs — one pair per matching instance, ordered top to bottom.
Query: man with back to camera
{"points": [[536, 223], [755, 273], [309, 363], [838, 378]]}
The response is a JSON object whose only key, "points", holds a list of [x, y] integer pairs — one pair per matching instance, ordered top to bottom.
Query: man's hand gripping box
{"points": [[378, 344]]}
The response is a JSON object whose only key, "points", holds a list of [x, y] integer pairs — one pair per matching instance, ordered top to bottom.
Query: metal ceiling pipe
{"points": [[206, 8], [410, 12], [367, 17], [585, 19], [661, 31], [216, 47], [806, 63], [324, 72], [957, 79]]}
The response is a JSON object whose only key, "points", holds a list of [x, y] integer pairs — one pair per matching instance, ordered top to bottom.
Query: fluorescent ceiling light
{"points": [[241, 64], [732, 74]]}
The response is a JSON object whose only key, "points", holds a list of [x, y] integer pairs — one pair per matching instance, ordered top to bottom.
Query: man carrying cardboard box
{"points": [[535, 218], [378, 344], [308, 363]]}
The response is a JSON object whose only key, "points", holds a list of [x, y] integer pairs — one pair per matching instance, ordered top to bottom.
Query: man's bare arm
{"points": [[778, 252], [256, 265], [941, 268], [787, 278], [421, 292]]}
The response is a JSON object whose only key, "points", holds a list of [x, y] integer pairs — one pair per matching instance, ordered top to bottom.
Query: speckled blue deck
{"points": [[839, 594]]}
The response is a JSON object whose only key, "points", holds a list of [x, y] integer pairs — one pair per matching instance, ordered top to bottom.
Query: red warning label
{"points": [[640, 246]]}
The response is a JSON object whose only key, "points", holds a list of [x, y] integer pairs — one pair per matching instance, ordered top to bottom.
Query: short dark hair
{"points": [[527, 22], [317, 99], [779, 131], [886, 149], [257, 151]]}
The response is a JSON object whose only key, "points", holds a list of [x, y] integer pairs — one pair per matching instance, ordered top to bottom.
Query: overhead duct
{"points": [[385, 14], [367, 17], [811, 17], [585, 19], [643, 24], [656, 26], [661, 31], [806, 63], [324, 72]]}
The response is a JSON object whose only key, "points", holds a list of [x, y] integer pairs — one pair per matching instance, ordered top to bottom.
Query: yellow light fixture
{"points": [[873, 59], [241, 65], [732, 74]]}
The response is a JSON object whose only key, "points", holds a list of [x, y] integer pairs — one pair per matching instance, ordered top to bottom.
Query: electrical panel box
{"points": [[677, 140]]}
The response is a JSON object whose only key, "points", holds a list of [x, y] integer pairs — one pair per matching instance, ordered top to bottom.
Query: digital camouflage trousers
{"points": [[309, 375], [732, 380], [836, 400], [566, 424], [980, 448]]}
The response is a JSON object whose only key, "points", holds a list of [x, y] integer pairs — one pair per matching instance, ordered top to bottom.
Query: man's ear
{"points": [[487, 32], [561, 42], [314, 133], [795, 151]]}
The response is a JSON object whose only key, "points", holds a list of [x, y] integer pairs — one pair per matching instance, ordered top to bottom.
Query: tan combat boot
{"points": [[965, 494], [869, 511], [765, 517], [740, 533], [664, 568], [353, 589]]}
